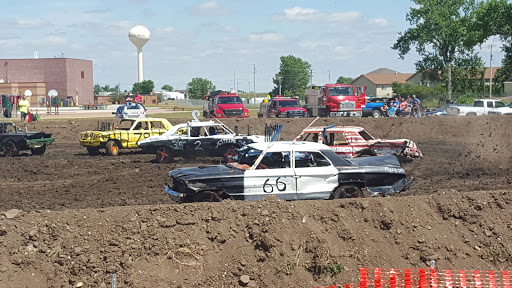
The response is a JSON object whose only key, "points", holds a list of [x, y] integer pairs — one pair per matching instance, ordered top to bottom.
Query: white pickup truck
{"points": [[479, 107], [507, 110]]}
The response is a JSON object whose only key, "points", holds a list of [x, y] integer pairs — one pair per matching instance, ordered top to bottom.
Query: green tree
{"points": [[494, 18], [442, 32], [293, 76], [344, 80], [144, 87], [167, 87], [199, 87], [97, 89]]}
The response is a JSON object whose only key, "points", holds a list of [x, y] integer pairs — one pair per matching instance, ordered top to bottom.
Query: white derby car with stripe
{"points": [[290, 171]]}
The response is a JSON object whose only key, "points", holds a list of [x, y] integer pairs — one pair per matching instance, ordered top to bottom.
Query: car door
{"points": [[273, 109], [157, 128], [140, 131], [340, 145], [316, 177], [278, 180]]}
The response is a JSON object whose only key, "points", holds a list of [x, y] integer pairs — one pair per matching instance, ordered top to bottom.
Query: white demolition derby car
{"points": [[290, 171]]}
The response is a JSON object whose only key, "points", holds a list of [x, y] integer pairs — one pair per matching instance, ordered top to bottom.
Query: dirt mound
{"points": [[84, 218]]}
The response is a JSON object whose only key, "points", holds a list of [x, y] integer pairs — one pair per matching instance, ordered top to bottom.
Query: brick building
{"points": [[72, 78]]}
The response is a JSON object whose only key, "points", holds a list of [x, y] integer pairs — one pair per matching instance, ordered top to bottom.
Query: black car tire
{"points": [[376, 113], [112, 148], [10, 149], [39, 150], [93, 151], [230, 152], [163, 154], [347, 191], [206, 196]]}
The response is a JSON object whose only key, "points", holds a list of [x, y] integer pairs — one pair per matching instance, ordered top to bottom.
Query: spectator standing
{"points": [[408, 100], [24, 105], [396, 106], [416, 106], [403, 108]]}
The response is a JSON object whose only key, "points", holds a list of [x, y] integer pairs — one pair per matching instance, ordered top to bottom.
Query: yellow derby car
{"points": [[123, 135]]}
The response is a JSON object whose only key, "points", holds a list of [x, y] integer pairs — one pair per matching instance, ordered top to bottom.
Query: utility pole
{"points": [[311, 76], [329, 76], [280, 78], [490, 79], [234, 81], [254, 82]]}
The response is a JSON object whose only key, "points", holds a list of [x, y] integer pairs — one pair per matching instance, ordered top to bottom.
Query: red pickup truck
{"points": [[224, 105], [281, 106]]}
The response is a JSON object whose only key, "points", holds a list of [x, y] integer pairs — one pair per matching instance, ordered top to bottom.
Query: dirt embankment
{"points": [[84, 218]]}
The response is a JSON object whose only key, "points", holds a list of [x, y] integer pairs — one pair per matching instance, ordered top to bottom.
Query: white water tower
{"points": [[139, 35]]}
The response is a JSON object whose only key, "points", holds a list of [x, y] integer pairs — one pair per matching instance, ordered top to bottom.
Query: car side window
{"points": [[490, 104], [500, 104], [157, 125], [195, 131], [337, 139], [310, 159], [275, 160]]}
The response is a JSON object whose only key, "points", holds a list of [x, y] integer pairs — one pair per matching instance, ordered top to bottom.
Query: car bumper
{"points": [[345, 114], [36, 143], [90, 143], [173, 195]]}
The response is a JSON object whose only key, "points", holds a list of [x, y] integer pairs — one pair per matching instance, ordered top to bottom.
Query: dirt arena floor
{"points": [[79, 219]]}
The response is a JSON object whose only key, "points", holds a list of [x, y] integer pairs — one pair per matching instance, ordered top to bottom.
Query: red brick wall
{"points": [[61, 74]]}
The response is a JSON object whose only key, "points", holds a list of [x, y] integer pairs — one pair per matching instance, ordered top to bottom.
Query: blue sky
{"points": [[221, 40]]}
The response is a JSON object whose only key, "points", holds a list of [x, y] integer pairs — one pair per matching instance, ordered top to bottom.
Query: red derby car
{"points": [[352, 141]]}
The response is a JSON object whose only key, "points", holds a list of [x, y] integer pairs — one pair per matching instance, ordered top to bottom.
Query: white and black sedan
{"points": [[197, 139], [290, 171]]}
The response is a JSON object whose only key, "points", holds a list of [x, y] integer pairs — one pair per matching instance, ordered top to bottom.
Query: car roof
{"points": [[144, 118], [334, 129], [277, 146]]}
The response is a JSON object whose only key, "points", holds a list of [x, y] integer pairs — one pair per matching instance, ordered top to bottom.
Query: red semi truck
{"points": [[335, 100], [224, 105]]}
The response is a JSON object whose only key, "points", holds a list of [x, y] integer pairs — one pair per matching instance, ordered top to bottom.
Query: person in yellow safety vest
{"points": [[267, 99], [23, 104]]}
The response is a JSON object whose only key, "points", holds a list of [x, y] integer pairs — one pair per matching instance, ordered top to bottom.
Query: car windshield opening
{"points": [[341, 91], [230, 100], [288, 103]]}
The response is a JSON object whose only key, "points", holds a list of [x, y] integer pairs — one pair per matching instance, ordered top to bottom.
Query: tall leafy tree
{"points": [[494, 17], [441, 33], [293, 76], [344, 80], [144, 87], [168, 87], [199, 87], [97, 89]]}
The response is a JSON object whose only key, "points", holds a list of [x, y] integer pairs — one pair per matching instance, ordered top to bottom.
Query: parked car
{"points": [[282, 107], [479, 107], [374, 108], [130, 110], [507, 110], [441, 111], [123, 135], [197, 139], [13, 140], [352, 141], [291, 171]]}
